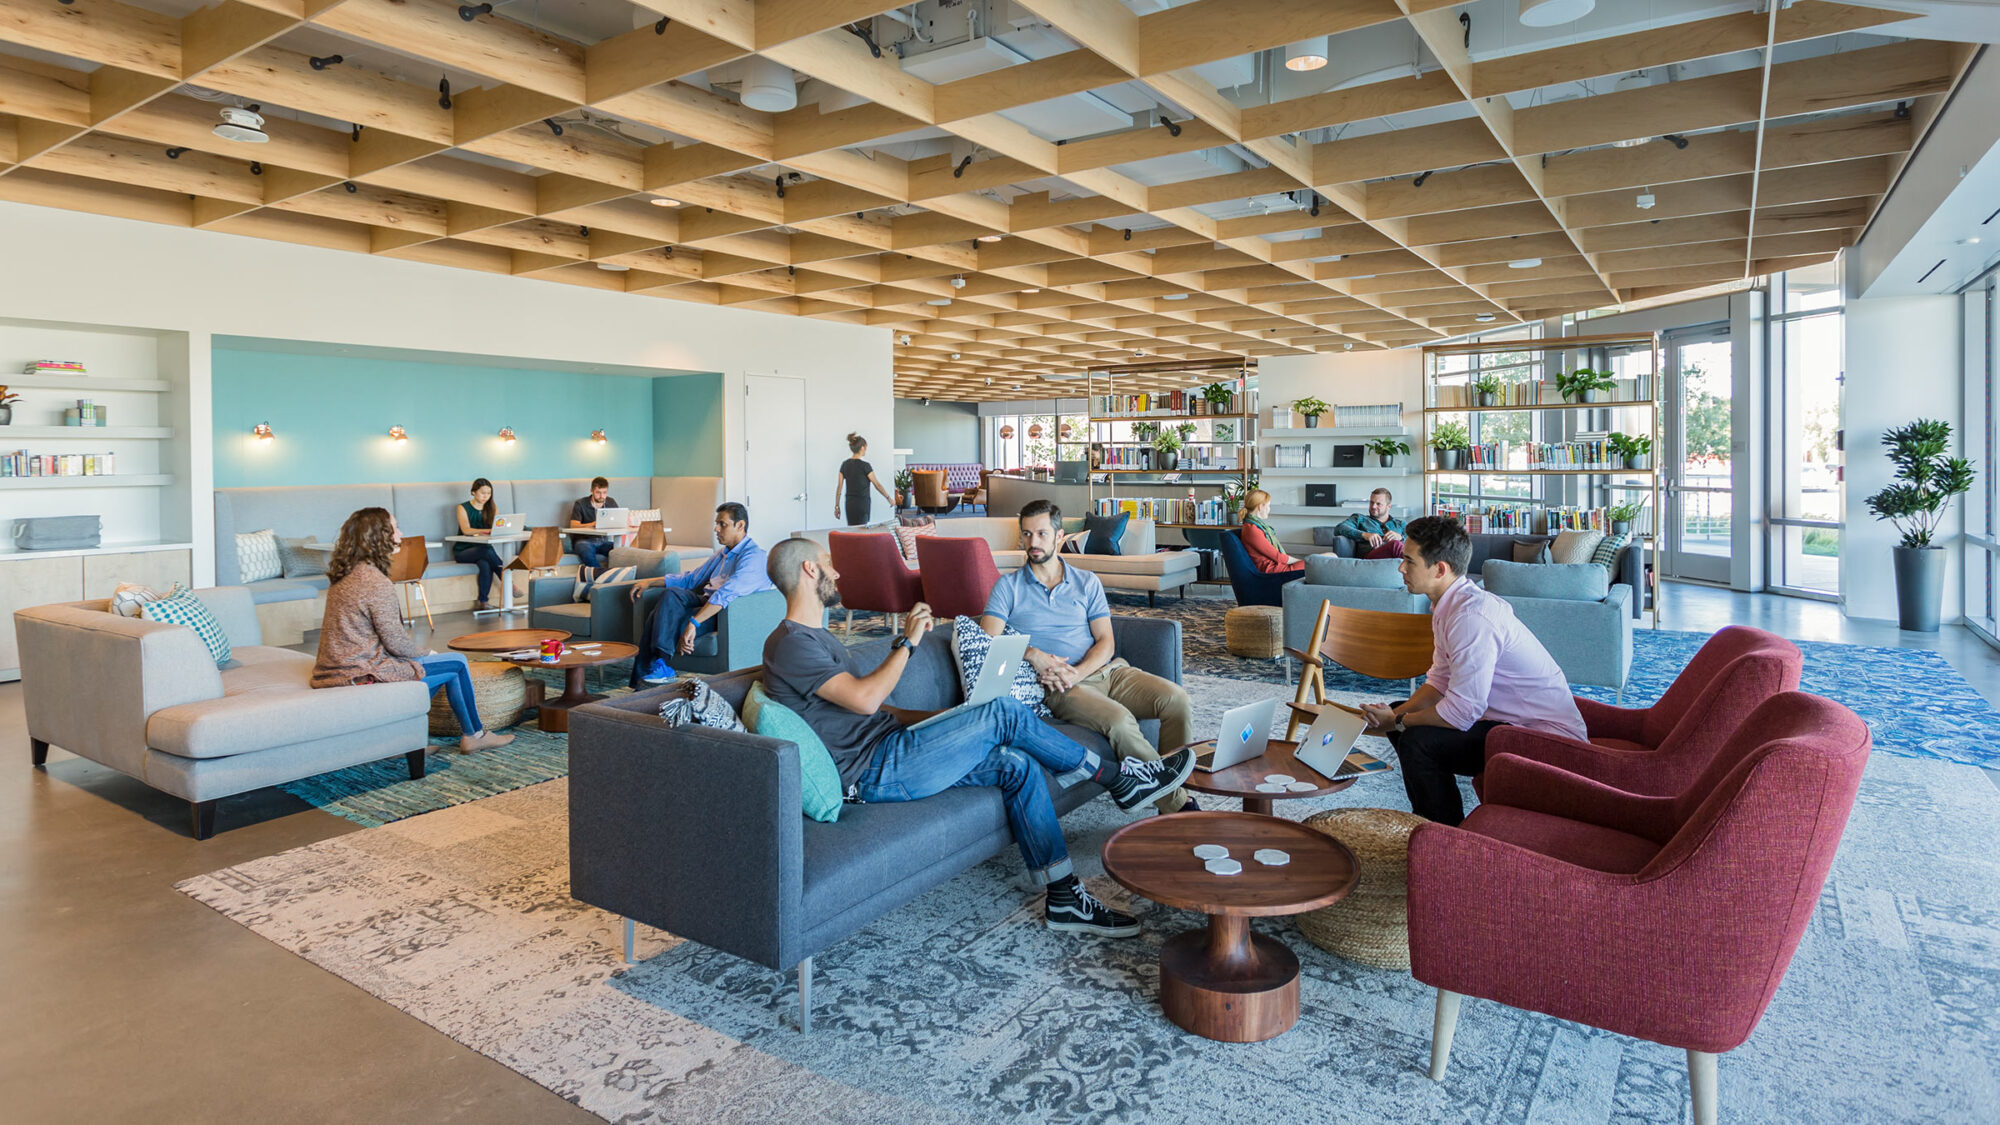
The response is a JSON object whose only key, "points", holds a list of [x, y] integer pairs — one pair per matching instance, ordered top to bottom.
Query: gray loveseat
{"points": [[1629, 569], [699, 832]]}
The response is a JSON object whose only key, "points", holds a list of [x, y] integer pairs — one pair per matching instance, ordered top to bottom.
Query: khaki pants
{"points": [[1113, 699]]}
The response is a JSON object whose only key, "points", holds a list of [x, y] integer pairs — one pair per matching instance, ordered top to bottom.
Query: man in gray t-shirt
{"points": [[1001, 744]]}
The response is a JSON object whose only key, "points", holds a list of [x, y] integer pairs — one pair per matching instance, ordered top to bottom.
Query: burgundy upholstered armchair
{"points": [[873, 575], [958, 575], [1661, 750], [1670, 919]]}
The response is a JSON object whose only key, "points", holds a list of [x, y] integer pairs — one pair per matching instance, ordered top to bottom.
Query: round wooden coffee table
{"points": [[504, 640], [554, 714], [1242, 779], [1224, 982]]}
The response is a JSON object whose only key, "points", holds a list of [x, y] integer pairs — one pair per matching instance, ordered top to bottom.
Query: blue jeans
{"points": [[592, 550], [660, 634], [449, 670], [998, 744]]}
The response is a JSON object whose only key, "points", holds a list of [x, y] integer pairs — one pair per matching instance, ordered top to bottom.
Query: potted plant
{"points": [[1583, 384], [1488, 388], [1217, 396], [7, 402], [1311, 408], [1144, 433], [1449, 442], [1388, 449], [1167, 450], [1636, 452], [1927, 477], [904, 482], [1622, 515]]}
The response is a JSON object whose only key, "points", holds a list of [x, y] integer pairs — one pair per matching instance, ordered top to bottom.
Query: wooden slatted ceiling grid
{"points": [[1782, 164]]}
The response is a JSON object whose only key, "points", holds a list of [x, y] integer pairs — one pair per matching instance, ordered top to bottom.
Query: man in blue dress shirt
{"points": [[690, 601]]}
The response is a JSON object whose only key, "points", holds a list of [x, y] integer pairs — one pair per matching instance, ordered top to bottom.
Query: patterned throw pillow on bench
{"points": [[1606, 553], [183, 608]]}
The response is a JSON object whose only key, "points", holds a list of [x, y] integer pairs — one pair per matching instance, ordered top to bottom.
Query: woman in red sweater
{"points": [[1261, 539]]}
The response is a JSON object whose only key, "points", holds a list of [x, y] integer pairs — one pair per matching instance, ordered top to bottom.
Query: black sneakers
{"points": [[1140, 783], [1070, 907]]}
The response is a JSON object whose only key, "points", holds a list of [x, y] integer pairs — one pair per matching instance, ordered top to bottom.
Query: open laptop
{"points": [[1071, 472], [612, 519], [508, 524], [996, 676], [1245, 733], [1328, 745]]}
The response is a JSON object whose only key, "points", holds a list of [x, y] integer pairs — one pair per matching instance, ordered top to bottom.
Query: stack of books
{"points": [[53, 367], [1382, 414], [21, 463], [1161, 510]]}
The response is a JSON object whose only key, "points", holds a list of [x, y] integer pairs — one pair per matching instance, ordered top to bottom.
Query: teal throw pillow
{"points": [[183, 608], [819, 781]]}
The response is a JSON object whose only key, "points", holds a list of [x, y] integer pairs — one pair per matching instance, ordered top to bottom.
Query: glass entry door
{"points": [[1695, 489]]}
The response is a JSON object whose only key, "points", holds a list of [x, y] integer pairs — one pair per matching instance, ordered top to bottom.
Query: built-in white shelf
{"points": [[83, 383], [1334, 431], [83, 433], [1366, 471], [101, 480], [106, 549]]}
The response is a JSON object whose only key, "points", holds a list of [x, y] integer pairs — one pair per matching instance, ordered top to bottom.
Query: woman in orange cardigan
{"points": [[1261, 539]]}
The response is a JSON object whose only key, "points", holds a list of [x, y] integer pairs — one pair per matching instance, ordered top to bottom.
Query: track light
{"points": [[470, 12], [321, 62], [444, 93], [1902, 111], [554, 126], [1173, 127], [356, 134], [1679, 141], [175, 153], [962, 166], [1419, 181], [1315, 206], [1128, 234], [262, 431], [396, 433], [506, 435], [598, 437]]}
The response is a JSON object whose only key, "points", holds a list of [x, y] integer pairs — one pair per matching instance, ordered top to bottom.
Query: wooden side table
{"points": [[1241, 780], [1224, 982]]}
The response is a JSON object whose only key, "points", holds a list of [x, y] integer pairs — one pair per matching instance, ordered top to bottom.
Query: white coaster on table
{"points": [[1279, 778], [1302, 787], [1269, 788], [1211, 851], [1272, 857], [1224, 866]]}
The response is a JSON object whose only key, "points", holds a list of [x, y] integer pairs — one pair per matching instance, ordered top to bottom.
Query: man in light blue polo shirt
{"points": [[1063, 608]]}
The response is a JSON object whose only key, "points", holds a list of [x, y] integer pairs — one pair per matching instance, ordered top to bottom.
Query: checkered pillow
{"points": [[906, 539], [1606, 552], [257, 555], [604, 577], [183, 608], [969, 646]]}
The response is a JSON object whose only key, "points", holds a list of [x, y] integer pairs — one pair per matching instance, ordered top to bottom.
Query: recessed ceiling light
{"points": [[1549, 13], [1306, 54], [239, 124], [663, 201], [989, 238], [1973, 241], [1524, 263], [612, 267], [1031, 289], [1175, 297], [939, 301], [1484, 317]]}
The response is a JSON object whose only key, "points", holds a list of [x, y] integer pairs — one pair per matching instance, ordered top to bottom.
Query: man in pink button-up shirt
{"points": [[1486, 669]]}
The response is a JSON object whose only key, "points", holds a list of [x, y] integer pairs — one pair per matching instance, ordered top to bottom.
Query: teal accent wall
{"points": [[332, 414], [687, 426]]}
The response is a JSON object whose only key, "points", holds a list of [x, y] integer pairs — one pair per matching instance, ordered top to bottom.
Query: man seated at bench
{"points": [[1377, 535], [998, 744]]}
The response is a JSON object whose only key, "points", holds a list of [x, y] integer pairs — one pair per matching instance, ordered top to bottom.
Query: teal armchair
{"points": [[740, 630]]}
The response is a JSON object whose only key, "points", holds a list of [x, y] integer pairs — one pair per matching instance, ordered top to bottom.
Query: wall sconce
{"points": [[262, 431], [397, 435], [507, 435], [598, 437]]}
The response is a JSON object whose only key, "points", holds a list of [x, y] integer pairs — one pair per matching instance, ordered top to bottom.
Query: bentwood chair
{"points": [[651, 537], [542, 553], [406, 570], [1386, 646]]}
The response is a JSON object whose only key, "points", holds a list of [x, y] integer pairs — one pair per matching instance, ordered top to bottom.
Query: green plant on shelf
{"points": [[1489, 384], [1583, 384], [1217, 394], [1310, 407], [1145, 431], [1451, 435], [1171, 439], [1628, 446], [1388, 447], [1627, 511]]}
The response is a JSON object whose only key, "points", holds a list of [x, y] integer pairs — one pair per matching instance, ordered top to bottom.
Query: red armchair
{"points": [[873, 575], [958, 575], [1661, 750], [1670, 919]]}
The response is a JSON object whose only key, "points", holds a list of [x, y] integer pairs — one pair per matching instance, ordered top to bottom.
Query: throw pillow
{"points": [[1105, 532], [908, 533], [1574, 546], [1531, 550], [1606, 552], [257, 555], [298, 562], [609, 576], [127, 597], [183, 608], [969, 645], [696, 703], [819, 779]]}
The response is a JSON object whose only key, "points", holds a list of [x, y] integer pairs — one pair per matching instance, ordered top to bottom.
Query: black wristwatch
{"points": [[902, 641]]}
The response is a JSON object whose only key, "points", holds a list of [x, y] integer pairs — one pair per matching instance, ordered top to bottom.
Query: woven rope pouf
{"points": [[1255, 631], [499, 691], [1371, 926]]}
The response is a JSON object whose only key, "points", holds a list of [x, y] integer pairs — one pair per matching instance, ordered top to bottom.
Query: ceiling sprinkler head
{"points": [[958, 282]]}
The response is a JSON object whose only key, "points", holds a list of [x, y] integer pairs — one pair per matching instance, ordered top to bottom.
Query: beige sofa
{"points": [[1138, 567], [146, 699]]}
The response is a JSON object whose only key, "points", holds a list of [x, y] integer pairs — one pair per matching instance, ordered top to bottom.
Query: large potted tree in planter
{"points": [[1448, 443], [1927, 477]]}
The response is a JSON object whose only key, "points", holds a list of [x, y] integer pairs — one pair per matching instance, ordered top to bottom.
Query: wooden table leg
{"points": [[554, 713], [1259, 805], [1228, 984]]}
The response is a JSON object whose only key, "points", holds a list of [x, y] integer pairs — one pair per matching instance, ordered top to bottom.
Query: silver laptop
{"points": [[612, 518], [508, 525], [996, 676], [1245, 733], [1325, 744]]}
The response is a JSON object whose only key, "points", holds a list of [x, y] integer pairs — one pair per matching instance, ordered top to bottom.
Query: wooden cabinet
{"points": [[158, 569], [31, 580]]}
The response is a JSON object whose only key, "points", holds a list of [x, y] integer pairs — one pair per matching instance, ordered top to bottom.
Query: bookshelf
{"points": [[1113, 410]]}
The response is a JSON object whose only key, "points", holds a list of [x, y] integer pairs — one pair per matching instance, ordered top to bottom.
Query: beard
{"points": [[1039, 555], [829, 593]]}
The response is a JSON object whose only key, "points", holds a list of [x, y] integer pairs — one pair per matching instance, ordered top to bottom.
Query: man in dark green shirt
{"points": [[1377, 535]]}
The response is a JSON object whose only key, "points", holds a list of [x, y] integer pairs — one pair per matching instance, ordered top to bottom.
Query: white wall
{"points": [[68, 266], [1904, 357], [1342, 379], [945, 432]]}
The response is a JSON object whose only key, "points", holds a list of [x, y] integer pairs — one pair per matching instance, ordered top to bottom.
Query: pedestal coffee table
{"points": [[504, 640], [554, 714], [1242, 779], [1224, 982]]}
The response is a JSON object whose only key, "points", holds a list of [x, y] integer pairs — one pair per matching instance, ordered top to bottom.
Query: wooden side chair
{"points": [[651, 537], [541, 554], [406, 570], [1386, 646]]}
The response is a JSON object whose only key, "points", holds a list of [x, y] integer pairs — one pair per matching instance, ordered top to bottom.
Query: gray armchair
{"points": [[1350, 583], [608, 615], [740, 630]]}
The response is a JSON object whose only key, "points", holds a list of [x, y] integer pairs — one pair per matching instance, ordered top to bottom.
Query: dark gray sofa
{"points": [[699, 832]]}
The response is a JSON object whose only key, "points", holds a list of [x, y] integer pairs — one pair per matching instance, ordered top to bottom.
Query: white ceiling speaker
{"points": [[1549, 13], [1306, 54], [767, 86], [239, 124]]}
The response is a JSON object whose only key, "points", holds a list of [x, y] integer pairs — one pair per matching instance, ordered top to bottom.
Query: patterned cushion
{"points": [[908, 534], [1574, 546], [1606, 552], [257, 555], [299, 562], [606, 577], [127, 597], [183, 608], [969, 645], [697, 703], [819, 779]]}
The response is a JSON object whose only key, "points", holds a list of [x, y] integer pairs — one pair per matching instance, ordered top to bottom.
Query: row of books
{"points": [[53, 367], [1456, 396], [1165, 403], [1339, 417], [1584, 455], [1133, 457], [21, 463], [1162, 510], [1530, 519]]}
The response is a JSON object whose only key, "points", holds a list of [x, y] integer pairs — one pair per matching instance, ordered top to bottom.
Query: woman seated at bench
{"points": [[475, 517]]}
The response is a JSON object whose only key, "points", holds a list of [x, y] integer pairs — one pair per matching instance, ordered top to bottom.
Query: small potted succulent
{"points": [[1583, 385], [1488, 388], [7, 402], [1310, 408], [1449, 442], [1387, 449], [1635, 451], [905, 481], [1622, 515]]}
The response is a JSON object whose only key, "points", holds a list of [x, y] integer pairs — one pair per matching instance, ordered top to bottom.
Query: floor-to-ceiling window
{"points": [[1980, 439], [1030, 441], [1805, 449]]}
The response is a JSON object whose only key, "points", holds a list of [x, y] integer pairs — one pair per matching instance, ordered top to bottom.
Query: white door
{"points": [[774, 417]]}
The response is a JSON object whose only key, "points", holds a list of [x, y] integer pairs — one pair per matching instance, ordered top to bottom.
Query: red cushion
{"points": [[1619, 744], [1572, 841]]}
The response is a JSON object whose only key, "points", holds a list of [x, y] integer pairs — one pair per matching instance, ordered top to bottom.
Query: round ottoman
{"points": [[1256, 631], [499, 691], [1371, 926]]}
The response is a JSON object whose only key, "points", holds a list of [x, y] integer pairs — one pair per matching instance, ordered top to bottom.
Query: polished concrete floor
{"points": [[127, 1001]]}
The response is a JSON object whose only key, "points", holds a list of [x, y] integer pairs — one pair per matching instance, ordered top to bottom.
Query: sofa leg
{"points": [[1149, 599], [1620, 697], [38, 751], [416, 760], [201, 817], [629, 925], [806, 995], [1442, 1028], [1701, 1086]]}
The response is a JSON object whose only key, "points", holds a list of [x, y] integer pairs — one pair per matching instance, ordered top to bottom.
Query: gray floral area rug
{"points": [[962, 1007]]}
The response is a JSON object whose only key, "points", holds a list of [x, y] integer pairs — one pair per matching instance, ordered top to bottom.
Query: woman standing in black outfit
{"points": [[855, 477]]}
